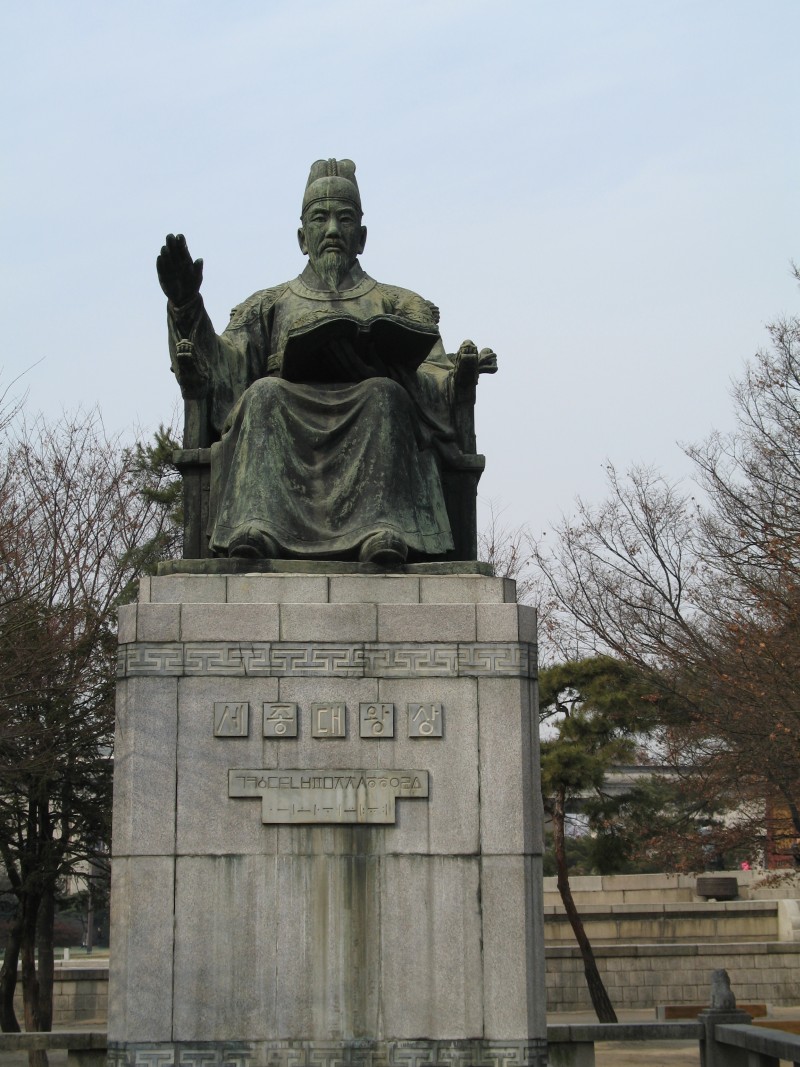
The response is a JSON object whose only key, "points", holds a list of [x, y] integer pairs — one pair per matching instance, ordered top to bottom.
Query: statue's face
{"points": [[332, 237]]}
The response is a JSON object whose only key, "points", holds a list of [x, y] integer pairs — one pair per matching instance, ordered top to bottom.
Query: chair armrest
{"points": [[189, 458], [469, 462]]}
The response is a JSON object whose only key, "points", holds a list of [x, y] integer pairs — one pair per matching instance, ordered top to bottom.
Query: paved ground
{"points": [[645, 1054]]}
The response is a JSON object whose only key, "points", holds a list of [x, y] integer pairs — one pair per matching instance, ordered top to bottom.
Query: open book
{"points": [[341, 348]]}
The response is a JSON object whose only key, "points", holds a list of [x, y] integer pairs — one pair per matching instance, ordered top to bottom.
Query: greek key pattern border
{"points": [[285, 659], [416, 1053]]}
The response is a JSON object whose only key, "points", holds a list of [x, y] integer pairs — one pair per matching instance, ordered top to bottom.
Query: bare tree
{"points": [[75, 531], [508, 549], [511, 552], [707, 590]]}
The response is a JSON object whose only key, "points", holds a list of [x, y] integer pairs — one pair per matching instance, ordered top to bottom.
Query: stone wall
{"points": [[607, 889], [643, 924], [656, 942], [644, 976], [80, 995]]}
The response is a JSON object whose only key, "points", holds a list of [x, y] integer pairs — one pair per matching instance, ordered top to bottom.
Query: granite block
{"points": [[188, 589], [278, 589], [374, 589], [464, 589], [510, 590], [144, 591], [158, 622], [230, 622], [328, 622], [426, 622], [497, 622], [506, 622], [126, 624], [528, 624], [349, 751], [144, 767], [511, 806], [208, 821], [448, 822], [589, 883], [225, 933], [329, 944], [431, 947], [295, 952], [140, 978], [514, 995]]}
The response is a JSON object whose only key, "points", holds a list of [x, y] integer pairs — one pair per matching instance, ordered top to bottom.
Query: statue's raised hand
{"points": [[180, 276]]}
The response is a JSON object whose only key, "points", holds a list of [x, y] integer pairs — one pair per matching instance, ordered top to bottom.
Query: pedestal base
{"points": [[327, 824]]}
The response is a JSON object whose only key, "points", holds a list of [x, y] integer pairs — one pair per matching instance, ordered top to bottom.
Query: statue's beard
{"points": [[332, 267]]}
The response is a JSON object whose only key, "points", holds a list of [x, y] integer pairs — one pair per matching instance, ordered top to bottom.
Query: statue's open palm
{"points": [[179, 275]]}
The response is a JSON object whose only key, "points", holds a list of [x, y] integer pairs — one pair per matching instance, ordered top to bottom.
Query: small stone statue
{"points": [[328, 401], [722, 996]]}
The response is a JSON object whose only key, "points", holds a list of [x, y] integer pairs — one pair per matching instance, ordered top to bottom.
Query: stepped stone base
{"points": [[327, 825]]}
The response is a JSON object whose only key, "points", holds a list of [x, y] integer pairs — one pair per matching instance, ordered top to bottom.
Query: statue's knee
{"points": [[264, 387], [263, 392], [387, 394]]}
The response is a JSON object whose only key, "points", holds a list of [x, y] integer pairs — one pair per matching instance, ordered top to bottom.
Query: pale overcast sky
{"points": [[606, 193]]}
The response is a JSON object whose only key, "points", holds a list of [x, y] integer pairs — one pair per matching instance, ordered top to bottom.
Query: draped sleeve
{"points": [[232, 360]]}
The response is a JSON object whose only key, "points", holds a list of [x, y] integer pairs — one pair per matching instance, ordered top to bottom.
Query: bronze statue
{"points": [[324, 419]]}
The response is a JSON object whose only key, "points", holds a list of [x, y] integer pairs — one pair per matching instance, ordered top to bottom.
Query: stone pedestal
{"points": [[327, 824]]}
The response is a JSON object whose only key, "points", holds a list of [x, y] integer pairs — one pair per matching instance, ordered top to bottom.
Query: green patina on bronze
{"points": [[327, 421]]}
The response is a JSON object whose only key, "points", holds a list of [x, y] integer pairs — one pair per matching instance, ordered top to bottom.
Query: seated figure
{"points": [[327, 402]]}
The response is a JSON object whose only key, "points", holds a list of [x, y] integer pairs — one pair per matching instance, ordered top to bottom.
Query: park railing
{"points": [[572, 1044], [721, 1044], [753, 1046]]}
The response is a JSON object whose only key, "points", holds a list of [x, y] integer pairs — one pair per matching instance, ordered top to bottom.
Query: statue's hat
{"points": [[331, 179]]}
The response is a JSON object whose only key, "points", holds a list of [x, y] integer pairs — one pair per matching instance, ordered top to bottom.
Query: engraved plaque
{"points": [[231, 719], [280, 720], [328, 720], [376, 720], [425, 720], [351, 795]]}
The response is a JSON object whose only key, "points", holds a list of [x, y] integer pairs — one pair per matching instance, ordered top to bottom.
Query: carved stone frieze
{"points": [[490, 659], [420, 1053]]}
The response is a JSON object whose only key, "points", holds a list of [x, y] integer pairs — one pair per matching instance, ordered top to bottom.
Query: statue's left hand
{"points": [[180, 276], [487, 361], [466, 366]]}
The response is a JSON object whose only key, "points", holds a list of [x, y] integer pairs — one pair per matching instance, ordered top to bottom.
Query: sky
{"points": [[606, 194]]}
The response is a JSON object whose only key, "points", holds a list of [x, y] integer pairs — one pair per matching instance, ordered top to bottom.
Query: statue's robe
{"points": [[321, 465]]}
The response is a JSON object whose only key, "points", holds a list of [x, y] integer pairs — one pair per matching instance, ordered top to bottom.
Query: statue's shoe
{"points": [[251, 542], [384, 548]]}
